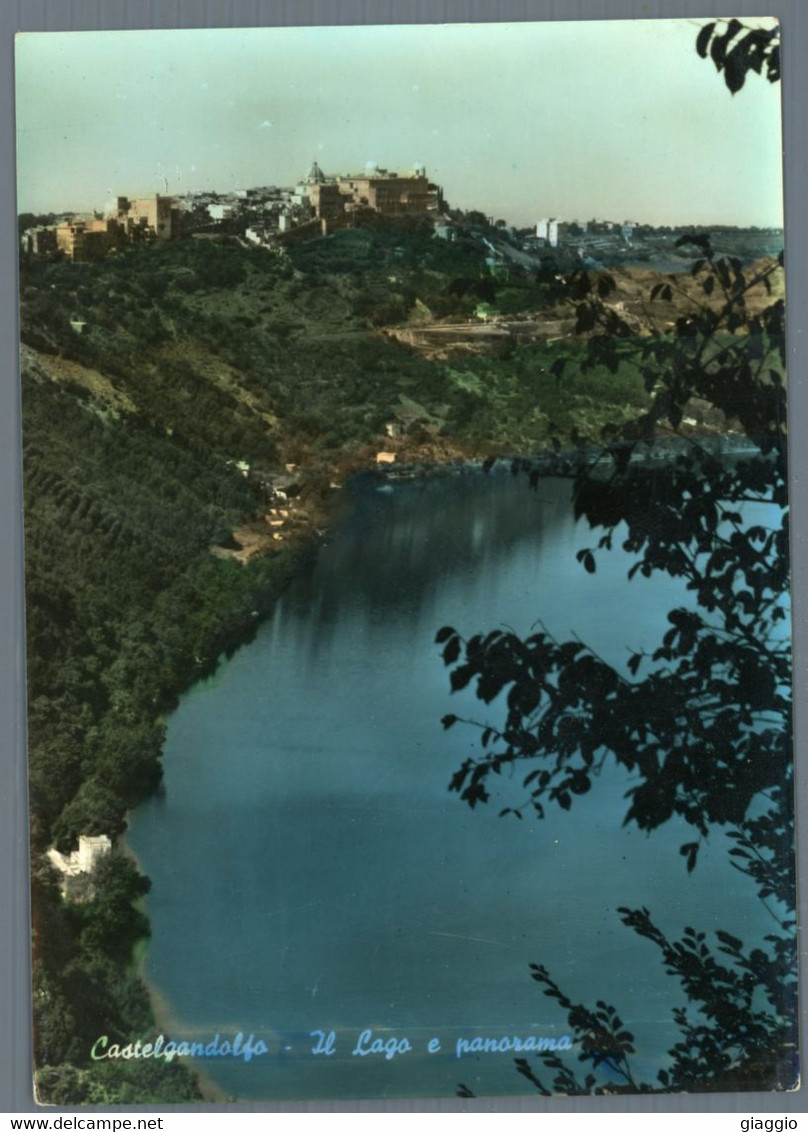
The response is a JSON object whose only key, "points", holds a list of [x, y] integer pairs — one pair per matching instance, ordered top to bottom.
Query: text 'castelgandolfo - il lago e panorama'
{"points": [[324, 1044]]}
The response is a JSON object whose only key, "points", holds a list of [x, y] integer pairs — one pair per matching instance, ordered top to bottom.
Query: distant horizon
{"points": [[614, 119]]}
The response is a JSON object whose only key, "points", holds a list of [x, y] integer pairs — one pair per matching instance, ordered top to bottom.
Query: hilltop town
{"points": [[267, 216], [274, 218]]}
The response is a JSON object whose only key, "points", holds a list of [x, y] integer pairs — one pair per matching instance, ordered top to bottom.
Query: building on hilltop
{"points": [[315, 175], [386, 193], [337, 199], [326, 200], [149, 217], [92, 236], [84, 239], [39, 242]]}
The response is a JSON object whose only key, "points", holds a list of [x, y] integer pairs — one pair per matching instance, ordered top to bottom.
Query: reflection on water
{"points": [[310, 870]]}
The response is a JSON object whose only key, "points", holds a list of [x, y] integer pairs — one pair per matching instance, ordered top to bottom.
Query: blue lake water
{"points": [[310, 869]]}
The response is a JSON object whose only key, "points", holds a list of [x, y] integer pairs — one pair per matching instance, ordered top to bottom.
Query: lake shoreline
{"points": [[305, 554], [245, 778]]}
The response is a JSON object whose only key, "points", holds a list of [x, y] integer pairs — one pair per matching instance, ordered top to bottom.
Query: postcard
{"points": [[407, 580]]}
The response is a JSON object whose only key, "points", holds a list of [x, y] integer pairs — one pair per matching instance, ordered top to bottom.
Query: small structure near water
{"points": [[78, 865]]}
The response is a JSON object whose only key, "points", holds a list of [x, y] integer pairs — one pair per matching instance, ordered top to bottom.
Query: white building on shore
{"points": [[81, 862]]}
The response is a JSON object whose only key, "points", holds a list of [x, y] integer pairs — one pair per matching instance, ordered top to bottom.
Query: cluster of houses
{"points": [[266, 215], [87, 237]]}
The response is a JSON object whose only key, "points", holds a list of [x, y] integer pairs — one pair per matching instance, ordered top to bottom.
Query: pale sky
{"points": [[616, 120]]}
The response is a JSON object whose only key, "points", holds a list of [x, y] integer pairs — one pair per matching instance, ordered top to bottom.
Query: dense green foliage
{"points": [[217, 342], [519, 401], [125, 603], [126, 606]]}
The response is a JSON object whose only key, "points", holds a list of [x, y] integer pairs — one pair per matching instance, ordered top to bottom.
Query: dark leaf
{"points": [[703, 39], [718, 50], [773, 66], [735, 68], [452, 651], [460, 677], [690, 850], [731, 941]]}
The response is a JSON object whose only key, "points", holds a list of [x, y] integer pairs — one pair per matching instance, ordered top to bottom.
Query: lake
{"points": [[312, 872]]}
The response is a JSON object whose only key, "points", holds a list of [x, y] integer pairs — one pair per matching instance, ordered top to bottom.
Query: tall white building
{"points": [[547, 230]]}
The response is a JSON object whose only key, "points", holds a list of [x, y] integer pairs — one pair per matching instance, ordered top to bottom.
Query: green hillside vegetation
{"points": [[298, 334], [194, 356], [125, 607]]}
